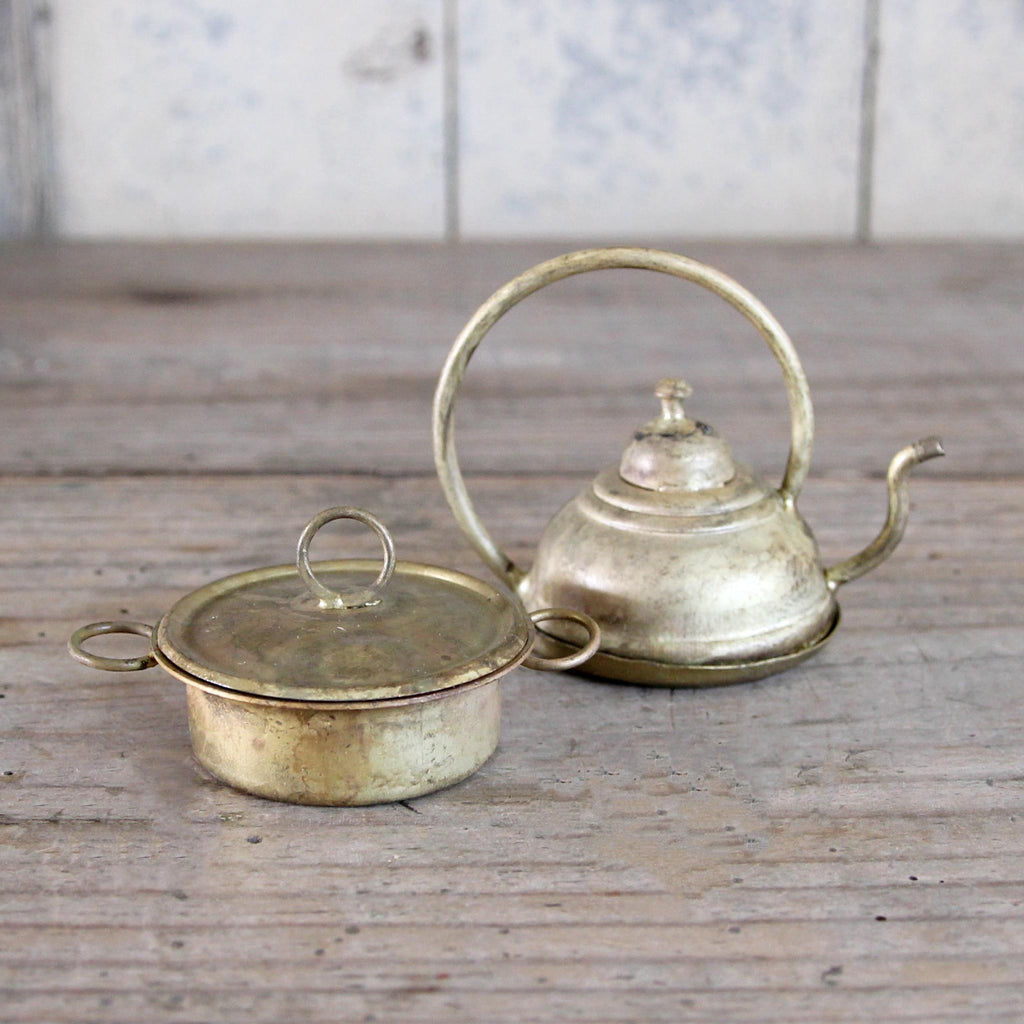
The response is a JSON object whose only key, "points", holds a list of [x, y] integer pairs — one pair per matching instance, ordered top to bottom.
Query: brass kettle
{"points": [[697, 572]]}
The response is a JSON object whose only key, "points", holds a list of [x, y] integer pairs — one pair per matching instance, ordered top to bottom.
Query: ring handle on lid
{"points": [[445, 458], [327, 597], [589, 649], [79, 653]]}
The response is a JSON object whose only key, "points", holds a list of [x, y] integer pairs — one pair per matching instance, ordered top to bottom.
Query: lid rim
{"points": [[741, 493], [299, 704]]}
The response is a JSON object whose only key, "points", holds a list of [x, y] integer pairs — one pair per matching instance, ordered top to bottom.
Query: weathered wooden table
{"points": [[843, 842]]}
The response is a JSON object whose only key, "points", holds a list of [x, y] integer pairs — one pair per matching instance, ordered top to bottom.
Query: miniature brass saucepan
{"points": [[342, 684]]}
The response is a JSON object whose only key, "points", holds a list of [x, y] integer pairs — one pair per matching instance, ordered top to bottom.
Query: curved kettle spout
{"points": [[896, 521]]}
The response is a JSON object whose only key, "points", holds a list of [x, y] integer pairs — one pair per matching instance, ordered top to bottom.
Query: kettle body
{"points": [[734, 587]]}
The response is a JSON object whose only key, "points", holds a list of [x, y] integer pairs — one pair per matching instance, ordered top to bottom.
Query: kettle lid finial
{"points": [[673, 391], [673, 452]]}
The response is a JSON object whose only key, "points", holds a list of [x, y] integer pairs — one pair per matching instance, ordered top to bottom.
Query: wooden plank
{"points": [[247, 358], [838, 843], [424, 999]]}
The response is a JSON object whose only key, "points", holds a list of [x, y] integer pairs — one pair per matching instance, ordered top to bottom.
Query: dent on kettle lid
{"points": [[345, 632]]}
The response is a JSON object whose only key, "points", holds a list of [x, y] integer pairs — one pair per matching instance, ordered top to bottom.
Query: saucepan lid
{"points": [[351, 630]]}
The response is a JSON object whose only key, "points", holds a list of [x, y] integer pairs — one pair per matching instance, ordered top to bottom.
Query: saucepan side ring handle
{"points": [[445, 458], [79, 653], [568, 661]]}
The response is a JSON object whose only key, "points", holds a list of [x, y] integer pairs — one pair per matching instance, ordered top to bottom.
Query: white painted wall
{"points": [[234, 118], [727, 118], [615, 120], [950, 121]]}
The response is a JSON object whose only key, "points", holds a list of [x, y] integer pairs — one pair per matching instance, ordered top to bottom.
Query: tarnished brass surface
{"points": [[521, 287], [675, 453], [696, 572], [702, 588], [327, 597], [261, 632], [83, 633], [571, 657], [614, 668], [324, 685], [349, 753]]}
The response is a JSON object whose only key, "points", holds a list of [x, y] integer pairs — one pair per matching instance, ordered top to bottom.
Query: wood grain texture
{"points": [[269, 359], [839, 843]]}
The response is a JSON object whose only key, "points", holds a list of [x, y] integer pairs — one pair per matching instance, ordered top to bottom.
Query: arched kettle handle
{"points": [[445, 458]]}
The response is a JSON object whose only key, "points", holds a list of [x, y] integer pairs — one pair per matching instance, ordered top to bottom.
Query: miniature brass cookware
{"points": [[696, 571], [339, 684]]}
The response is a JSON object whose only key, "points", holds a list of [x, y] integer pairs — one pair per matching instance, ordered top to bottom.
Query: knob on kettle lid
{"points": [[675, 453]]}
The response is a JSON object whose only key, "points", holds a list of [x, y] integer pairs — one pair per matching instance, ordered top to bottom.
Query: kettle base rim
{"points": [[614, 668]]}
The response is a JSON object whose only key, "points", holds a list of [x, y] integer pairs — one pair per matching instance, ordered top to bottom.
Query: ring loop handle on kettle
{"points": [[509, 295]]}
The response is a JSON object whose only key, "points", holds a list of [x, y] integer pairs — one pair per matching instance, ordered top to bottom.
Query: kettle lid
{"points": [[675, 453]]}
